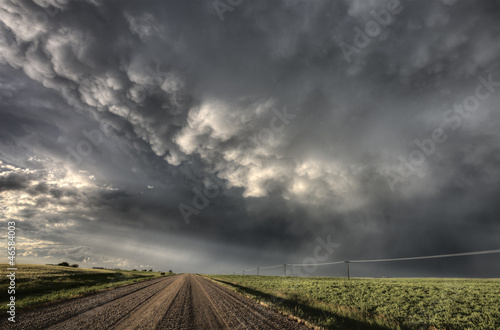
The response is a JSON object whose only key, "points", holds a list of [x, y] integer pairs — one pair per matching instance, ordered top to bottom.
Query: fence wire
{"points": [[376, 260]]}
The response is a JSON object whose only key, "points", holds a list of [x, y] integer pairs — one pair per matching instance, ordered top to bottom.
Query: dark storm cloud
{"points": [[130, 105], [13, 182]]}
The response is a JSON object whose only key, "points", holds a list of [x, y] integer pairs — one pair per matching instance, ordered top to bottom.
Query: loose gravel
{"points": [[178, 302]]}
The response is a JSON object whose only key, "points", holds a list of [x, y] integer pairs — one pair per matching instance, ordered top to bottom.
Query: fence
{"points": [[347, 262]]}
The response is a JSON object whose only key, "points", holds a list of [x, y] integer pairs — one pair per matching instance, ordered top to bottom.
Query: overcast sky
{"points": [[204, 136]]}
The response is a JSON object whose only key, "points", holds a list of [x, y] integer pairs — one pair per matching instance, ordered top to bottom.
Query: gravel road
{"points": [[178, 302]]}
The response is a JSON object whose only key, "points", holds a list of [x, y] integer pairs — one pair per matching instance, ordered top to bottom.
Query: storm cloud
{"points": [[198, 137]]}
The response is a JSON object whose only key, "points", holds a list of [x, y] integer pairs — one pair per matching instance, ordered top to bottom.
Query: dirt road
{"points": [[178, 302]]}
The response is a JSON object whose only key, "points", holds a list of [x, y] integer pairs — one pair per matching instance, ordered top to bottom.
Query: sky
{"points": [[217, 136]]}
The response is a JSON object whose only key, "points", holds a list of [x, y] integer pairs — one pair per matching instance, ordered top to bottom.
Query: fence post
{"points": [[284, 269], [257, 271], [243, 272], [348, 275]]}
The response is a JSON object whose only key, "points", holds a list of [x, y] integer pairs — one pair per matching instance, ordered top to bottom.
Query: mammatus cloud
{"points": [[297, 116]]}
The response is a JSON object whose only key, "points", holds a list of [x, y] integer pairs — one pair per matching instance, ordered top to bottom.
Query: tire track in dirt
{"points": [[193, 309], [151, 312], [105, 316], [257, 316], [43, 317]]}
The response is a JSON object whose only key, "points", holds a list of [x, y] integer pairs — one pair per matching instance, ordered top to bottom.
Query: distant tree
{"points": [[64, 263], [74, 265], [134, 270], [144, 270], [151, 270], [170, 272]]}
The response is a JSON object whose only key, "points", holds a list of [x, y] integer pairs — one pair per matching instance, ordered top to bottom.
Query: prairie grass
{"points": [[397, 303]]}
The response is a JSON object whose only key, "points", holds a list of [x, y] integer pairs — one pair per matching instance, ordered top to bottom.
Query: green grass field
{"points": [[37, 284], [418, 303]]}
